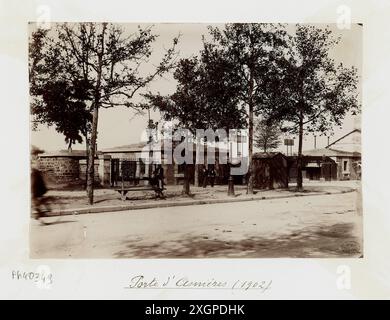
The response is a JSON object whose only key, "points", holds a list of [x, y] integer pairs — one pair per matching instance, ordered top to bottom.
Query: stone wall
{"points": [[69, 168], [60, 169], [83, 169]]}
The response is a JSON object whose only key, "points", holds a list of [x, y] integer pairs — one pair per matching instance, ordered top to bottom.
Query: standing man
{"points": [[205, 176], [212, 176], [160, 177], [158, 181]]}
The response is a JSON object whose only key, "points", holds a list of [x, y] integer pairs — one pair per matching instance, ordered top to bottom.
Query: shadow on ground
{"points": [[58, 222], [326, 242]]}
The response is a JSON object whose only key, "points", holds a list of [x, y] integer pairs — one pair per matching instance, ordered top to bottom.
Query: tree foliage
{"points": [[252, 51], [100, 59], [314, 93], [56, 102], [199, 102], [63, 107], [267, 135]]}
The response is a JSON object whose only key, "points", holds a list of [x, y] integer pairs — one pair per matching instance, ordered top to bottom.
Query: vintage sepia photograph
{"points": [[195, 141]]}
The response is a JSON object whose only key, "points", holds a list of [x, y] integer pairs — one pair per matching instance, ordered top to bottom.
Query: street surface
{"points": [[312, 226]]}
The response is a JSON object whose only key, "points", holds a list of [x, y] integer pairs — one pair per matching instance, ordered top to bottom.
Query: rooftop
{"points": [[135, 147], [138, 147], [328, 152], [66, 153]]}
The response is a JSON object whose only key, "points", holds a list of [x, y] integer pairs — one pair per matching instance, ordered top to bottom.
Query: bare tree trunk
{"points": [[95, 118], [250, 137], [91, 156], [87, 157], [299, 159], [197, 165], [196, 177], [186, 185]]}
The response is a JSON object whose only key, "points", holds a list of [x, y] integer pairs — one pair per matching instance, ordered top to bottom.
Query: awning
{"points": [[313, 165]]}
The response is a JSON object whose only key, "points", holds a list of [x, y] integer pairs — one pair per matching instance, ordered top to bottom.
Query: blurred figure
{"points": [[205, 176], [212, 176], [160, 177], [158, 181], [38, 190]]}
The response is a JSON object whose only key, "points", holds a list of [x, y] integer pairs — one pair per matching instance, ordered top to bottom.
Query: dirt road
{"points": [[316, 226]]}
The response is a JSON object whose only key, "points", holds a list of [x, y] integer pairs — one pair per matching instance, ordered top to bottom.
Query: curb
{"points": [[117, 208]]}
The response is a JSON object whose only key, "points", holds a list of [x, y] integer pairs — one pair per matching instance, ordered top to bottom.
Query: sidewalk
{"points": [[106, 200]]}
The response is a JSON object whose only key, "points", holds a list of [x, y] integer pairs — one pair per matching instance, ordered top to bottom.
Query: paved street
{"points": [[311, 226]]}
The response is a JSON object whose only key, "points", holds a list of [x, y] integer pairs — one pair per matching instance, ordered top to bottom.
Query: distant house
{"points": [[351, 142], [346, 152], [131, 161], [124, 163], [348, 163], [314, 167], [270, 170]]}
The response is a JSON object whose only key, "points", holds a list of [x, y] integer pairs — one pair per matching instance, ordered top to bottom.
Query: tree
{"points": [[253, 50], [35, 53], [107, 63], [313, 92], [199, 101], [55, 102], [183, 105], [62, 106], [267, 135]]}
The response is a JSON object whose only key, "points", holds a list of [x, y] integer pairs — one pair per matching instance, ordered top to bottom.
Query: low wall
{"points": [[70, 168], [60, 169], [83, 170]]}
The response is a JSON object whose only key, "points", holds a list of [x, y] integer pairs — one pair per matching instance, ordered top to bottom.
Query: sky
{"points": [[121, 126]]}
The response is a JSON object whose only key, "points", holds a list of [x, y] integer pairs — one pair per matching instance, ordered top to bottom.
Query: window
{"points": [[345, 166]]}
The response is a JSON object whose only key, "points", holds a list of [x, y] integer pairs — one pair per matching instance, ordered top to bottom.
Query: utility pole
{"points": [[150, 139], [230, 164]]}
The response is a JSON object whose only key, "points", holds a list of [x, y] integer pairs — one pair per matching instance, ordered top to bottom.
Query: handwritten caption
{"points": [[140, 282]]}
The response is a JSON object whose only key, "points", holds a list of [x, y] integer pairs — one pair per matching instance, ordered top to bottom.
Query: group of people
{"points": [[209, 176], [157, 180]]}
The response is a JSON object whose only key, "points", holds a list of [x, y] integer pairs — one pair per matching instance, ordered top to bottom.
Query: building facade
{"points": [[346, 153], [270, 170]]}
